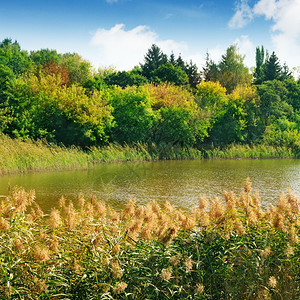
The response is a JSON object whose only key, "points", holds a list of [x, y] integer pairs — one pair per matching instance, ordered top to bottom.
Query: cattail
{"points": [[248, 185], [21, 199], [256, 199], [81, 200], [230, 200], [293, 201], [62, 202], [203, 203], [283, 204], [168, 207], [156, 208], [100, 209], [89, 210], [129, 210], [216, 210], [139, 212], [113, 215], [252, 216], [71, 217], [54, 219], [204, 219], [278, 221], [188, 223], [4, 224], [136, 226], [239, 227], [146, 234], [169, 235], [293, 235], [97, 240], [18, 245], [54, 246], [116, 249], [289, 251], [265, 253], [41, 254], [174, 260], [188, 264], [77, 267], [116, 270], [166, 274], [272, 282], [40, 285], [121, 286], [199, 289]]}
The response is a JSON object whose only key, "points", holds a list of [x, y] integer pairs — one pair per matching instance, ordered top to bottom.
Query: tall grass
{"points": [[254, 151], [23, 156], [222, 249]]}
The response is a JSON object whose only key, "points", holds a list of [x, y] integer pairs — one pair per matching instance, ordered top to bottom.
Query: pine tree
{"points": [[154, 58], [272, 69]]}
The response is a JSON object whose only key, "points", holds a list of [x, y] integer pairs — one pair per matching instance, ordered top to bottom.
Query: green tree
{"points": [[44, 56], [13, 57], [153, 59], [260, 61], [272, 68], [210, 69], [79, 70], [232, 71], [169, 73], [193, 74], [7, 78], [124, 79], [273, 101], [44, 108], [133, 115]]}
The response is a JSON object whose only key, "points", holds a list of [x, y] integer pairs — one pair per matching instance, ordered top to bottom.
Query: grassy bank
{"points": [[253, 151], [23, 156], [222, 249]]}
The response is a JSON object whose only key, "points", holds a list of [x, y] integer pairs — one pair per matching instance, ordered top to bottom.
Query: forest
{"points": [[62, 99]]}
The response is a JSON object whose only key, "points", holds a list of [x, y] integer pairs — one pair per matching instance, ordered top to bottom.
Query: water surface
{"points": [[181, 182]]}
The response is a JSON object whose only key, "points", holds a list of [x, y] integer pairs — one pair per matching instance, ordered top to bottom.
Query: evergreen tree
{"points": [[154, 58], [260, 60], [180, 63], [272, 68], [210, 69], [193, 74]]}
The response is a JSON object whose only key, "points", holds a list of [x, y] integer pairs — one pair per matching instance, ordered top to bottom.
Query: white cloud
{"points": [[111, 1], [284, 14], [243, 15], [126, 48], [247, 48]]}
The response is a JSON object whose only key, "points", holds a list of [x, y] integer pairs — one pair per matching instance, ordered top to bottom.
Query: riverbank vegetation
{"points": [[165, 103], [19, 156], [222, 249]]}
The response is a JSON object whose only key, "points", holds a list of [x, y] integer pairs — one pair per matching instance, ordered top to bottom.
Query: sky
{"points": [[118, 33]]}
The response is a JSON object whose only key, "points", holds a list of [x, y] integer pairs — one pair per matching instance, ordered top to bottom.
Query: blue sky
{"points": [[119, 32]]}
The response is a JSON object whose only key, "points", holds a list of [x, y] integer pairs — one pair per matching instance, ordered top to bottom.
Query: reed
{"points": [[236, 151], [24, 156], [226, 248]]}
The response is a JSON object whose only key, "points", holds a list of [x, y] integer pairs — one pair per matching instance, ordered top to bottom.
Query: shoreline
{"points": [[19, 156]]}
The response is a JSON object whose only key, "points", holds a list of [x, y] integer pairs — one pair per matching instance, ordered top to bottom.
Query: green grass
{"points": [[254, 151], [24, 156], [222, 249]]}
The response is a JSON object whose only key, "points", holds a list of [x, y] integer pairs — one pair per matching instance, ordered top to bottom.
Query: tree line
{"points": [[164, 100]]}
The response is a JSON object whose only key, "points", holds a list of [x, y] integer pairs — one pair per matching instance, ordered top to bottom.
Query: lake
{"points": [[181, 182]]}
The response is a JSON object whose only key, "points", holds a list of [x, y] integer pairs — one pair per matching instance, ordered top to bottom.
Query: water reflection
{"points": [[179, 181]]}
